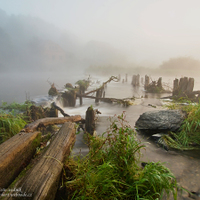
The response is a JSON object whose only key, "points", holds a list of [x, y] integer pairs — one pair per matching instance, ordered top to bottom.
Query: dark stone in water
{"points": [[160, 121]]}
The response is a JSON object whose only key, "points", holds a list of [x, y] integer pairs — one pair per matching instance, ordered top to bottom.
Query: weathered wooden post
{"points": [[126, 78], [134, 80], [138, 80], [146, 82], [159, 83], [183, 85], [175, 87], [190, 87], [69, 98], [90, 120]]}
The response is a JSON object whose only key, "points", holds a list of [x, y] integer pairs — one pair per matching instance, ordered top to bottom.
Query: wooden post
{"points": [[126, 78], [138, 80], [134, 82], [146, 82], [159, 83], [183, 85], [190, 86], [175, 87], [90, 120], [42, 180]]}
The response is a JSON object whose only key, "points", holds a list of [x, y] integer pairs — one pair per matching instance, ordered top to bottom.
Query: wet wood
{"points": [[112, 78], [135, 80], [146, 82], [183, 87], [60, 109], [49, 121], [90, 121], [15, 154], [42, 180]]}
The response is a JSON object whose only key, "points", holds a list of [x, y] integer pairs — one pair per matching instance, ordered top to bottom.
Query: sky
{"points": [[148, 31]]}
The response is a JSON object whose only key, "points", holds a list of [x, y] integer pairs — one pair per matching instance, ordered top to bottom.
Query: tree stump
{"points": [[175, 87], [90, 120], [42, 180]]}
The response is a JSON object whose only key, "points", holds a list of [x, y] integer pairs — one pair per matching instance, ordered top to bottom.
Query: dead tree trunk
{"points": [[90, 120], [15, 154], [42, 180]]}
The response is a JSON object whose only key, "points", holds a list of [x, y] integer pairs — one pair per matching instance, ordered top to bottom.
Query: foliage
{"points": [[83, 84], [16, 106], [10, 125], [189, 134], [111, 170]]}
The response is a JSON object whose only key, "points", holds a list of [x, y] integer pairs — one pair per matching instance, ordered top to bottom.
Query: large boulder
{"points": [[160, 121]]}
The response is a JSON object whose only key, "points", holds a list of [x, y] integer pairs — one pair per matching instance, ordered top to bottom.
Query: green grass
{"points": [[16, 106], [10, 125], [189, 136], [111, 170]]}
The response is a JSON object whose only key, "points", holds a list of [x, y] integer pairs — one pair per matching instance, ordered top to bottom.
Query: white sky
{"points": [[147, 30]]}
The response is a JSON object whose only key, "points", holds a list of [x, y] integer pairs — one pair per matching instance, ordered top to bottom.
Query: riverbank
{"points": [[184, 167]]}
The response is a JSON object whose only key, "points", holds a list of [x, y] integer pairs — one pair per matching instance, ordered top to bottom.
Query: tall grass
{"points": [[10, 125], [189, 134], [111, 169]]}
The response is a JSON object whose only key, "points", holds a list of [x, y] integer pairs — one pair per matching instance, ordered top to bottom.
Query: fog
{"points": [[62, 38]]}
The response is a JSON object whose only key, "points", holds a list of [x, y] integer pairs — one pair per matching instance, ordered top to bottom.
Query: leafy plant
{"points": [[111, 169]]}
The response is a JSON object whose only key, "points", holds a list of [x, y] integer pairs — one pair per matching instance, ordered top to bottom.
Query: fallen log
{"points": [[110, 100], [49, 121], [15, 154], [42, 180]]}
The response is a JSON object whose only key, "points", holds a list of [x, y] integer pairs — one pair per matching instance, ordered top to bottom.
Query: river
{"points": [[185, 166]]}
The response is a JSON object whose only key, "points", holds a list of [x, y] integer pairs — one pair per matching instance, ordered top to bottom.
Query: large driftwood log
{"points": [[49, 121], [15, 154], [42, 180]]}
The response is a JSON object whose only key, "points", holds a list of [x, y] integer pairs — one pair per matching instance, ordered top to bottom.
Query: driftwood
{"points": [[112, 78], [111, 100], [61, 110], [49, 121], [15, 154], [42, 180]]}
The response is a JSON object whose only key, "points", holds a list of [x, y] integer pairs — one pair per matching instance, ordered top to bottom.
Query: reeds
{"points": [[111, 169]]}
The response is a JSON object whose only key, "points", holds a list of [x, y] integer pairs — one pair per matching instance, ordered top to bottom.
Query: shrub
{"points": [[111, 169]]}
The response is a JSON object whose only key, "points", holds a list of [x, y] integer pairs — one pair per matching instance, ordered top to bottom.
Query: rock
{"points": [[160, 121]]}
